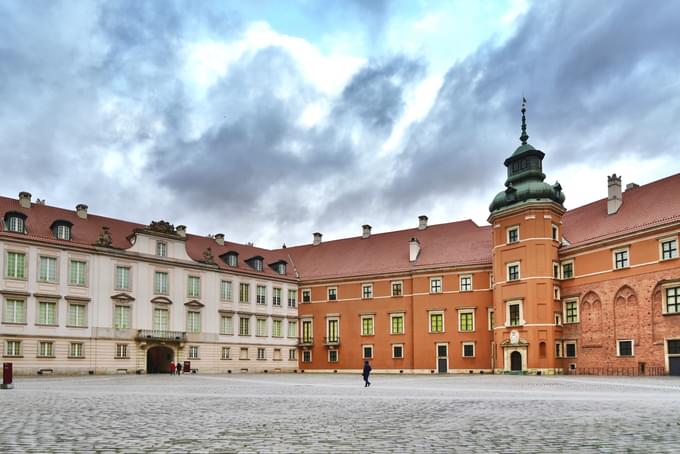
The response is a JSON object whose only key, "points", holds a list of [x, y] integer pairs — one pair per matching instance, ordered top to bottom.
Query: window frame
{"points": [[21, 220], [508, 230], [555, 232], [669, 239], [161, 248], [615, 259], [565, 263], [86, 269], [20, 273], [508, 274], [46, 279], [116, 285], [400, 285], [193, 286], [468, 287], [157, 288], [434, 288], [226, 290], [244, 290], [665, 290], [332, 293], [261, 294], [306, 295], [367, 295], [277, 296], [292, 298], [53, 303], [72, 307], [466, 311], [22, 313], [430, 314], [402, 316], [116, 318], [366, 318], [490, 318], [576, 318], [193, 320], [508, 321], [226, 324], [290, 324], [244, 325], [261, 328], [277, 332], [304, 336], [333, 337], [46, 343], [468, 344], [395, 346], [121, 348], [632, 348], [363, 351], [12, 352], [194, 352], [565, 352], [225, 353], [76, 354], [261, 354], [306, 356], [337, 356]]}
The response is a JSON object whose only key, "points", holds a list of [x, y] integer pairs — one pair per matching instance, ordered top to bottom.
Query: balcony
{"points": [[161, 335], [333, 341], [306, 342]]}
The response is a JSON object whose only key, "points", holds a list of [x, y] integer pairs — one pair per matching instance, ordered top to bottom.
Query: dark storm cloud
{"points": [[601, 80]]}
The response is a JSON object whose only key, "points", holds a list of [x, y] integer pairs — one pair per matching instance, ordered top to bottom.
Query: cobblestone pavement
{"points": [[335, 413]]}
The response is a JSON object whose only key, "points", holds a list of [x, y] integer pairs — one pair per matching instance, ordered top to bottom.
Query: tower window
{"points": [[513, 234]]}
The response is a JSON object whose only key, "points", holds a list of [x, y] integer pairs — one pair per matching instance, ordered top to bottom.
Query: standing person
{"points": [[172, 368], [179, 368], [366, 373]]}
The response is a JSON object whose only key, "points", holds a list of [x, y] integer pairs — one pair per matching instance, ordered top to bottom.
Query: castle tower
{"points": [[526, 219]]}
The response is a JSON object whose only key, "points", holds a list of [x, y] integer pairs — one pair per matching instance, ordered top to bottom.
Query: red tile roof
{"points": [[647, 206], [84, 233], [454, 243]]}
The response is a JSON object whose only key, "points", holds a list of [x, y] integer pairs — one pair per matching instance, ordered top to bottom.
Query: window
{"points": [[14, 223], [62, 231], [513, 234], [555, 235], [669, 248], [161, 249], [621, 258], [232, 259], [257, 264], [16, 265], [280, 268], [48, 269], [568, 269], [556, 270], [513, 271], [77, 272], [122, 277], [160, 283], [465, 283], [435, 285], [193, 287], [397, 288], [225, 291], [367, 291], [556, 292], [244, 293], [261, 294], [332, 294], [306, 296], [276, 297], [292, 298], [672, 300], [15, 311], [571, 311], [47, 313], [514, 314], [77, 315], [491, 316], [121, 317], [161, 319], [558, 319], [466, 320], [193, 322], [436, 322], [397, 324], [226, 325], [244, 326], [261, 327], [367, 327], [276, 328], [292, 328], [333, 330], [307, 331], [13, 348], [624, 348], [46, 349], [468, 349], [558, 349], [570, 349], [76, 350], [121, 351], [367, 351], [397, 351], [193, 352], [226, 353], [244, 353], [261, 353], [292, 356], [306, 356], [332, 356]]}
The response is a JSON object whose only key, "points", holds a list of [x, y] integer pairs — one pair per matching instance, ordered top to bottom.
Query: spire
{"points": [[524, 135]]}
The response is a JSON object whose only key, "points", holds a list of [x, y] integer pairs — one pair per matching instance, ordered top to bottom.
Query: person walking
{"points": [[172, 368], [179, 368], [366, 373]]}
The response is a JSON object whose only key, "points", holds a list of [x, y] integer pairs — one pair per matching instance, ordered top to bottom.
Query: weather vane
{"points": [[524, 135]]}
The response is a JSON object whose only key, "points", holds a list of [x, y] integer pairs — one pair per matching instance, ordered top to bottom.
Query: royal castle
{"points": [[540, 289]]}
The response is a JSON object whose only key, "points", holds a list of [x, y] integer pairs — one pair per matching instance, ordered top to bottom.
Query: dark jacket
{"points": [[367, 370]]}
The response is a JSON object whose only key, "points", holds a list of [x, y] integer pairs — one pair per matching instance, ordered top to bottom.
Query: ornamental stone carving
{"points": [[162, 227], [104, 239]]}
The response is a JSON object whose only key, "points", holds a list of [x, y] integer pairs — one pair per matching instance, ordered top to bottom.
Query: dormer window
{"points": [[15, 222], [62, 230], [161, 249], [230, 258], [257, 263], [279, 267]]}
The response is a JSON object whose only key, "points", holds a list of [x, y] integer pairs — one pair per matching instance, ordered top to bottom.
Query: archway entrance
{"points": [[158, 360], [515, 361]]}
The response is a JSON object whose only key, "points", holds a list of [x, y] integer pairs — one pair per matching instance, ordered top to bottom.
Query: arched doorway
{"points": [[158, 360], [515, 361]]}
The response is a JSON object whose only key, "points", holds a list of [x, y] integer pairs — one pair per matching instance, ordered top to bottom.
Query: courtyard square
{"points": [[335, 413]]}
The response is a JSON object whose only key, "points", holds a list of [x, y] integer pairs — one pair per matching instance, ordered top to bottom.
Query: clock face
{"points": [[514, 337]]}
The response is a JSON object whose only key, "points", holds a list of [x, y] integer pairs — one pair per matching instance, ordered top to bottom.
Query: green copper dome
{"points": [[525, 177]]}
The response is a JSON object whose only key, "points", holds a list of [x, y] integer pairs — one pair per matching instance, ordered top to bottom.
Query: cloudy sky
{"points": [[270, 120]]}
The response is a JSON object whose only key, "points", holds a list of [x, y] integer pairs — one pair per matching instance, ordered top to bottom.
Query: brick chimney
{"points": [[630, 186], [614, 197], [25, 199], [81, 210], [422, 222], [181, 230], [366, 231], [219, 239], [317, 239], [413, 249]]}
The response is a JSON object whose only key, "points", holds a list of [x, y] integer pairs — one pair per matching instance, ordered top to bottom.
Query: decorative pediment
{"points": [[162, 227], [104, 239], [208, 256], [122, 298], [161, 300], [194, 303], [508, 343]]}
